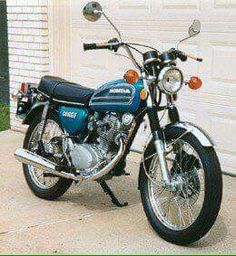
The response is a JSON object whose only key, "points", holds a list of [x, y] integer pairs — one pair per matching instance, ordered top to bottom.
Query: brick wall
{"points": [[28, 45]]}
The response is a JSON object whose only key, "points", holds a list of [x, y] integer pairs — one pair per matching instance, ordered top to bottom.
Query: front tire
{"points": [[59, 185], [211, 199]]}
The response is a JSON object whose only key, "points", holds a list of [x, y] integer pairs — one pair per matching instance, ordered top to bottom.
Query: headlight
{"points": [[170, 80]]}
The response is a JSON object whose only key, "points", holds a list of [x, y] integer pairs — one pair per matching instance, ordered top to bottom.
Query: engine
{"points": [[109, 129]]}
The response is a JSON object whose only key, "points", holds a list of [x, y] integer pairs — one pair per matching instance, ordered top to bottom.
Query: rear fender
{"points": [[37, 108]]}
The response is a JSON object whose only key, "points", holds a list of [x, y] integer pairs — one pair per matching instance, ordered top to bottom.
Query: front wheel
{"points": [[185, 211]]}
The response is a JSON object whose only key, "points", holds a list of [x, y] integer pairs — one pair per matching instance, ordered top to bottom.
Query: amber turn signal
{"points": [[131, 77], [195, 83], [143, 94]]}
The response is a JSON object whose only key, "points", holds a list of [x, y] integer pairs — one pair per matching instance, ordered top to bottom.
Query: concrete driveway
{"points": [[84, 221]]}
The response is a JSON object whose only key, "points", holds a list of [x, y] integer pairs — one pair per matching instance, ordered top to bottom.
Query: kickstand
{"points": [[108, 191]]}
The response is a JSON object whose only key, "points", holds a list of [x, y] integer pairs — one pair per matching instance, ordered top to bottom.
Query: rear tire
{"points": [[62, 185], [212, 196]]}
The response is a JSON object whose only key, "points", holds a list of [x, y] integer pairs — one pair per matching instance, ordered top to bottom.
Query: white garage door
{"points": [[160, 23]]}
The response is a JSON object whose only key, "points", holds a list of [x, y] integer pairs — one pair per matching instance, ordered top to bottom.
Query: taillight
{"points": [[195, 83], [24, 88]]}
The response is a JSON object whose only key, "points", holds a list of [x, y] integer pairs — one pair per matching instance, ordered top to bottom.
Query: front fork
{"points": [[157, 132]]}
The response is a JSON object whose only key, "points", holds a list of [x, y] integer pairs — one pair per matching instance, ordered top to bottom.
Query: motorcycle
{"points": [[80, 134]]}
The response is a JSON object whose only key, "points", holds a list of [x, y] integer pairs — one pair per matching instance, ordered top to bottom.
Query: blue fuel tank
{"points": [[117, 96]]}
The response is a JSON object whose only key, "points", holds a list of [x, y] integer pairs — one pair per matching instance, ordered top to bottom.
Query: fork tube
{"points": [[157, 133]]}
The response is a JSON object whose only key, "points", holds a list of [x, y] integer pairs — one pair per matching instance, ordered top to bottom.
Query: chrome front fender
{"points": [[187, 127], [169, 131], [199, 133]]}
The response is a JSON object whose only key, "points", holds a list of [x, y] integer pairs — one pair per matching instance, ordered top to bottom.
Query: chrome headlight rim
{"points": [[161, 76]]}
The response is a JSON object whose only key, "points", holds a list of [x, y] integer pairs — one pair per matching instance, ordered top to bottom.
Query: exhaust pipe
{"points": [[30, 158], [109, 166]]}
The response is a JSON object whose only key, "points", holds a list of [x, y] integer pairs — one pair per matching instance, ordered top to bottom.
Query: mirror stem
{"points": [[116, 29], [186, 38]]}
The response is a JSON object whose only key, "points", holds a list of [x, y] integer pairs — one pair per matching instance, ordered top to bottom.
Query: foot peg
{"points": [[108, 191]]}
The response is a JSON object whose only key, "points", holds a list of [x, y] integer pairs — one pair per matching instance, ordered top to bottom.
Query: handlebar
{"points": [[112, 45], [92, 46], [184, 56], [193, 57]]}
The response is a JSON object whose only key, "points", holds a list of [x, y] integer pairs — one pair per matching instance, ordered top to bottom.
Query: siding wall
{"points": [[28, 45]]}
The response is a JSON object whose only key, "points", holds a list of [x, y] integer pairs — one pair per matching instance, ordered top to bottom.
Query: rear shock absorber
{"points": [[42, 126]]}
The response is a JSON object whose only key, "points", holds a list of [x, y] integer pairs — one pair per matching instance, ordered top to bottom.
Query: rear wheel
{"points": [[44, 186], [186, 211]]}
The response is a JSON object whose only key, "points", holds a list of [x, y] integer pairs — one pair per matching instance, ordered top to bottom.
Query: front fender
{"points": [[37, 108], [186, 127], [170, 132], [203, 137]]}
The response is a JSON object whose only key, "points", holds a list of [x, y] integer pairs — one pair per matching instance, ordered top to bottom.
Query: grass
{"points": [[4, 117]]}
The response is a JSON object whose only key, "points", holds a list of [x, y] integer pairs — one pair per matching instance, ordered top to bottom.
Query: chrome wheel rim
{"points": [[52, 130], [177, 207]]}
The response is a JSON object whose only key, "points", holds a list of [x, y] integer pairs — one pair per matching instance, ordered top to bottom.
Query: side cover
{"points": [[73, 120]]}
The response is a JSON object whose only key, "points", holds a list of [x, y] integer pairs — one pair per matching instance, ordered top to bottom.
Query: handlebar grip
{"points": [[112, 45], [90, 47], [194, 58], [199, 59]]}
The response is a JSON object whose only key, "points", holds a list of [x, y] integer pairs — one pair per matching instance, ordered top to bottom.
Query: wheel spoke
{"points": [[52, 130], [158, 192], [178, 209], [190, 210], [180, 213]]}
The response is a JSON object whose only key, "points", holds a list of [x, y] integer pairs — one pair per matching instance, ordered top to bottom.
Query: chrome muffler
{"points": [[30, 158]]}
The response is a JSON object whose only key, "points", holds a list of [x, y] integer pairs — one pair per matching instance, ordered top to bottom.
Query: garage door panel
{"points": [[181, 4], [225, 4], [133, 5], [128, 9], [173, 10], [161, 23], [224, 63], [223, 89], [212, 97], [187, 114], [219, 125], [223, 130], [227, 161]]}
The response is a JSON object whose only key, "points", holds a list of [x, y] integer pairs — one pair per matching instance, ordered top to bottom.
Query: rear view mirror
{"points": [[92, 11], [195, 28]]}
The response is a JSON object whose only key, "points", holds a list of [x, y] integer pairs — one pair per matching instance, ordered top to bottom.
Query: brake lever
{"points": [[115, 44]]}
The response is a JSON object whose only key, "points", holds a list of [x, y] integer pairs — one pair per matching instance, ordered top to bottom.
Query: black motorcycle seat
{"points": [[61, 90]]}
